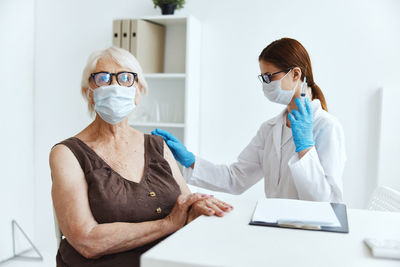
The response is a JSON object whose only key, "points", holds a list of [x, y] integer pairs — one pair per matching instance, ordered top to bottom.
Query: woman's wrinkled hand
{"points": [[209, 206], [180, 213]]}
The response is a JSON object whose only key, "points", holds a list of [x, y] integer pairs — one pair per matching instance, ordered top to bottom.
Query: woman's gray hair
{"points": [[120, 56]]}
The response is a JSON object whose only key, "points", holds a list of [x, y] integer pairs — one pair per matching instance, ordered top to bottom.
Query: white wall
{"points": [[353, 47], [16, 120], [389, 146]]}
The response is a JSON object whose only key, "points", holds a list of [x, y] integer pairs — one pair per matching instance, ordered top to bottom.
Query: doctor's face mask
{"points": [[274, 92]]}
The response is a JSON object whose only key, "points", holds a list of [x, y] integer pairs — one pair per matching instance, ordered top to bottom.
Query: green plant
{"points": [[177, 3]]}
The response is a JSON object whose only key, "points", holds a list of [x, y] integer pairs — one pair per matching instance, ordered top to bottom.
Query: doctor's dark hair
{"points": [[286, 53]]}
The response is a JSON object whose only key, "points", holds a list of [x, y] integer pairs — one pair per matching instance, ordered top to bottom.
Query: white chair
{"points": [[385, 199], [57, 229]]}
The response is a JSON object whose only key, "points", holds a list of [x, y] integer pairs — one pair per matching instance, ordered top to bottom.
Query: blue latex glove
{"points": [[301, 121], [181, 154]]}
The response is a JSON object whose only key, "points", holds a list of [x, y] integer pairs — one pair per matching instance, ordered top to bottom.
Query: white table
{"points": [[230, 241]]}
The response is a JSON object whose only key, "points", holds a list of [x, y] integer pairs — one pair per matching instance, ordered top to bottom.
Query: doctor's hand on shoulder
{"points": [[301, 122], [180, 152]]}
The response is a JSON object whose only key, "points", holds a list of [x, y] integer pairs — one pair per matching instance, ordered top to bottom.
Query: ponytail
{"points": [[316, 93]]}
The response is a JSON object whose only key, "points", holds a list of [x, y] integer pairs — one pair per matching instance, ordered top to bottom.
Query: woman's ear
{"points": [[296, 73], [140, 87], [138, 94], [89, 95]]}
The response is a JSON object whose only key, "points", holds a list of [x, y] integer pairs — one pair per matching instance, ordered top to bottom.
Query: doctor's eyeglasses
{"points": [[105, 78], [266, 78]]}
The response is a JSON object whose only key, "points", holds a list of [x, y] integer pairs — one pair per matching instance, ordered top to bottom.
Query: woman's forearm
{"points": [[111, 238]]}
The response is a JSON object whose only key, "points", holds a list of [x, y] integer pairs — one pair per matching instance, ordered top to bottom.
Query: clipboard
{"points": [[340, 212]]}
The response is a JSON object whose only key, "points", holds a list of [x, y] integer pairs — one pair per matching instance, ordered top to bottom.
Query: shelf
{"points": [[165, 76], [158, 124]]}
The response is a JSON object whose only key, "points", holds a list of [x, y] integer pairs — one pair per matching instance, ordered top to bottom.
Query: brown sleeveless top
{"points": [[113, 198]]}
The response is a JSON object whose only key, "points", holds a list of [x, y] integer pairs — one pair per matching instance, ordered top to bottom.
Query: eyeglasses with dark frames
{"points": [[123, 78], [267, 78]]}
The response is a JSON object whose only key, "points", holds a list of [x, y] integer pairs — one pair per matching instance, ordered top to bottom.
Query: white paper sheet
{"points": [[274, 210]]}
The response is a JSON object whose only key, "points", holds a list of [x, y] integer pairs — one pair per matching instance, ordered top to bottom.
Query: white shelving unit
{"points": [[172, 102]]}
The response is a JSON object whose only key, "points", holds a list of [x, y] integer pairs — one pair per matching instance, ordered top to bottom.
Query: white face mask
{"points": [[274, 92], [114, 102]]}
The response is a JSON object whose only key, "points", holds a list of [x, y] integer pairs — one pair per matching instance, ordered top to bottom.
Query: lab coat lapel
{"points": [[276, 125], [277, 136]]}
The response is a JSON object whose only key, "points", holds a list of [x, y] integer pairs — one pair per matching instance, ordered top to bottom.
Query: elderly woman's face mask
{"points": [[114, 102]]}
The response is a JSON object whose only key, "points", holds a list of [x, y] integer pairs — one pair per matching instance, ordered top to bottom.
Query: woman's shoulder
{"points": [[326, 120], [327, 125], [155, 143], [66, 146], [58, 149], [69, 149], [61, 153]]}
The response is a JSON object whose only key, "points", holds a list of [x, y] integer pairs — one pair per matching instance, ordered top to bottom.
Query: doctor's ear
{"points": [[296, 73]]}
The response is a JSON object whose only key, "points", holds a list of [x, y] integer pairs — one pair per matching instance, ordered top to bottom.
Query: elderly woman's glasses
{"points": [[105, 78], [267, 78]]}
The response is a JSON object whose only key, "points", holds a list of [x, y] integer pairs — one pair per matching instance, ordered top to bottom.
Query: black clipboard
{"points": [[340, 211]]}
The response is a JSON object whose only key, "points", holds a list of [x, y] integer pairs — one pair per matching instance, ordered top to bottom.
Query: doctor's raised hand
{"points": [[301, 122]]}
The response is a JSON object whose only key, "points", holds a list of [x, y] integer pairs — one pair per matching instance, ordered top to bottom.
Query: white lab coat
{"points": [[316, 176]]}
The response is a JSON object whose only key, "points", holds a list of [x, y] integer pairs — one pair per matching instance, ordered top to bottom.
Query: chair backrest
{"points": [[385, 199], [57, 229]]}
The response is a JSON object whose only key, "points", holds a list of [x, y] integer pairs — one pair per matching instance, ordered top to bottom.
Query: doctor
{"points": [[300, 153]]}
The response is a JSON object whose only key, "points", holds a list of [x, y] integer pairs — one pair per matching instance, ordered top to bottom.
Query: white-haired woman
{"points": [[118, 192]]}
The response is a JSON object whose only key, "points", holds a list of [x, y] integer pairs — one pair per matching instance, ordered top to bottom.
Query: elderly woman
{"points": [[116, 191]]}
